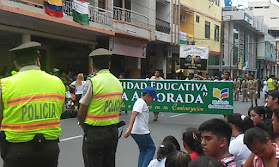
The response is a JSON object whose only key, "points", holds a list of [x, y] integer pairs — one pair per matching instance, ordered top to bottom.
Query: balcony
{"points": [[97, 15], [130, 16], [162, 26]]}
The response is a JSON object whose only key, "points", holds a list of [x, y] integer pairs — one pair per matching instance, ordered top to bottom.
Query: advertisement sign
{"points": [[126, 46], [193, 57], [180, 96]]}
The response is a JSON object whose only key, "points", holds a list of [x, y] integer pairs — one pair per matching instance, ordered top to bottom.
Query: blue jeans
{"points": [[146, 148]]}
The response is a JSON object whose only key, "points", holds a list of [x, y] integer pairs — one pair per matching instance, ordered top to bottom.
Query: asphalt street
{"points": [[127, 151]]}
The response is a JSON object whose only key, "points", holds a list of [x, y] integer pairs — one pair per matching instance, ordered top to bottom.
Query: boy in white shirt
{"points": [[138, 127]]}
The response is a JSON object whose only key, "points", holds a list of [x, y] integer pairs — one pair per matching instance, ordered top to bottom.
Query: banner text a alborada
{"points": [[178, 96]]}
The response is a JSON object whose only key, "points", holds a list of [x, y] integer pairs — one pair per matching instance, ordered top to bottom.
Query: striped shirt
{"points": [[228, 161], [258, 162]]}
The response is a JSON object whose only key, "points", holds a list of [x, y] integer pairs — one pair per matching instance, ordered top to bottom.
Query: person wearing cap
{"points": [[272, 84], [236, 86], [244, 87], [252, 88], [272, 99], [31, 103], [99, 112], [138, 127]]}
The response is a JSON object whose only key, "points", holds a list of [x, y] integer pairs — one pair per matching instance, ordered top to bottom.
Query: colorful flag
{"points": [[54, 7], [80, 12], [240, 64]]}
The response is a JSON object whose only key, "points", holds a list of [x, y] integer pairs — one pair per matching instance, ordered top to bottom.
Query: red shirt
{"points": [[193, 155]]}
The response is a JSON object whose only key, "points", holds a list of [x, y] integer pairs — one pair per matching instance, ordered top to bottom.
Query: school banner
{"points": [[180, 96]]}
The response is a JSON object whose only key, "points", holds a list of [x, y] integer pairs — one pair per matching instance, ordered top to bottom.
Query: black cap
{"points": [[274, 93]]}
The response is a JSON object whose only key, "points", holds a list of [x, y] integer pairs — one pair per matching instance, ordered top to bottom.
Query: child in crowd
{"points": [[239, 124], [138, 127], [216, 136], [259, 142], [192, 143], [169, 145], [178, 159], [205, 161]]}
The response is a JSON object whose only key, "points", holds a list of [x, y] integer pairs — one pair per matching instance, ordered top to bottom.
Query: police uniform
{"points": [[272, 84], [236, 86], [244, 87], [252, 87], [103, 98], [31, 105]]}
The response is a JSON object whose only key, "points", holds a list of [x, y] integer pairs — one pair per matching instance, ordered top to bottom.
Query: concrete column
{"points": [[25, 38], [139, 63]]}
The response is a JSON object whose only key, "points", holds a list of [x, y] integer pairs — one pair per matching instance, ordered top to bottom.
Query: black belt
{"points": [[108, 126]]}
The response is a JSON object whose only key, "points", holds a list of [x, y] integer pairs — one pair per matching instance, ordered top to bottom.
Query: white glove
{"points": [[256, 92]]}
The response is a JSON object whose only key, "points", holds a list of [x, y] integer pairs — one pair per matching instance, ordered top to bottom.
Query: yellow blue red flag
{"points": [[54, 8]]}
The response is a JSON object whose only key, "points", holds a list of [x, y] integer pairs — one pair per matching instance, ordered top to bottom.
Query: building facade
{"points": [[268, 12], [201, 20], [134, 30], [246, 45]]}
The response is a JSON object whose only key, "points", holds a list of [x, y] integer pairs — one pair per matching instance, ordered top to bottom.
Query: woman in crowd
{"points": [[78, 85], [257, 115], [239, 124], [192, 143], [168, 146]]}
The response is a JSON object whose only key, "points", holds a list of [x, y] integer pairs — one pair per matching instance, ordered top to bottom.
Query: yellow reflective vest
{"points": [[270, 84], [33, 103], [105, 104]]}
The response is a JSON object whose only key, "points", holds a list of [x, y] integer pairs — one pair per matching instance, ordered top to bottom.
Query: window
{"points": [[217, 2], [101, 4], [197, 18], [207, 29], [216, 33]]}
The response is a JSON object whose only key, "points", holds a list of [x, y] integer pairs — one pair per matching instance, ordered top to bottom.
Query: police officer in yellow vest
{"points": [[272, 84], [31, 103], [99, 113]]}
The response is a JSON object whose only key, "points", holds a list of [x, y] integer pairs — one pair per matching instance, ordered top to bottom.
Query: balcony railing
{"points": [[96, 14], [130, 16], [162, 26]]}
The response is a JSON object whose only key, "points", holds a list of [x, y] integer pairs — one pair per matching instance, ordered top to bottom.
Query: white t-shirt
{"points": [[79, 88], [141, 122], [239, 150], [156, 163]]}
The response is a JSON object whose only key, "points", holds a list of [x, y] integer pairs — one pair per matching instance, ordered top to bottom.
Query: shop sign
{"points": [[126, 46], [193, 57], [176, 96]]}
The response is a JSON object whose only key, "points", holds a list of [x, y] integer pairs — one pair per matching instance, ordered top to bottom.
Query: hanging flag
{"points": [[54, 7], [80, 12], [240, 64], [244, 65]]}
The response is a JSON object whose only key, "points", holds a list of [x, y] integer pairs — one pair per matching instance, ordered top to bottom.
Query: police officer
{"points": [[272, 83], [236, 86], [244, 87], [252, 88], [31, 105], [99, 112]]}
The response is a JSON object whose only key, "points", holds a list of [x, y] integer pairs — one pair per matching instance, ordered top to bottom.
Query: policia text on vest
{"points": [[38, 111]]}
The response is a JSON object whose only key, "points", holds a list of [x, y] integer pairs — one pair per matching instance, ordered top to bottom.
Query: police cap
{"points": [[26, 45], [100, 52]]}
